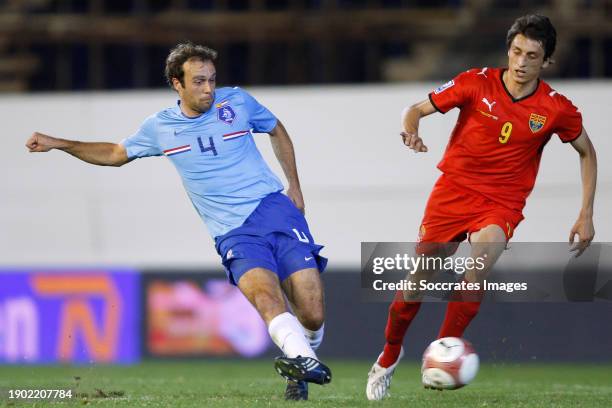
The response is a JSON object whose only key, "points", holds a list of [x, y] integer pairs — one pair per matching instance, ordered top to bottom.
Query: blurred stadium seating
{"points": [[121, 44]]}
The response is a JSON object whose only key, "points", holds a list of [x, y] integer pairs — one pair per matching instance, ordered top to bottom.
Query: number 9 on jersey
{"points": [[506, 131]]}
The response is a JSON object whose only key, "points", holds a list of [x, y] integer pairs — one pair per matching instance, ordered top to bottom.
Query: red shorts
{"points": [[453, 213]]}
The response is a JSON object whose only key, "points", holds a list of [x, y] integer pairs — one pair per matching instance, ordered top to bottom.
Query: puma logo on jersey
{"points": [[483, 72], [489, 104]]}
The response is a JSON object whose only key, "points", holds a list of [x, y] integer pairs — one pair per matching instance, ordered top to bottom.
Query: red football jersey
{"points": [[496, 145]]}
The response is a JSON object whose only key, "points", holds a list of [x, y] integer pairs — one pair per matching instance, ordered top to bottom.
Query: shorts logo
{"points": [[444, 87], [226, 114], [536, 122], [300, 235], [229, 254]]}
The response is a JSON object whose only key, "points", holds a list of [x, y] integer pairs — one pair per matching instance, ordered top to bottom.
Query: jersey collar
{"points": [[514, 100], [180, 111]]}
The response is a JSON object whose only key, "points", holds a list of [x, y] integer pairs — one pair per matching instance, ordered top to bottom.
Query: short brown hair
{"points": [[535, 27], [184, 52]]}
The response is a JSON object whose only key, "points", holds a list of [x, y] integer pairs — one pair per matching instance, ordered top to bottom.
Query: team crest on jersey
{"points": [[444, 87], [225, 113], [536, 122]]}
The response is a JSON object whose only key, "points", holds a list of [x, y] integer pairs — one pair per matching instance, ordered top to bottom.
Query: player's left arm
{"points": [[283, 149], [588, 169]]}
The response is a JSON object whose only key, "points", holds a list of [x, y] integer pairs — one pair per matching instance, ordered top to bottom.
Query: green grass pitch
{"points": [[243, 383]]}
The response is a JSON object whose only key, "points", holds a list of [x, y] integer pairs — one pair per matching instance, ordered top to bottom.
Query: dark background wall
{"points": [[354, 327], [501, 331]]}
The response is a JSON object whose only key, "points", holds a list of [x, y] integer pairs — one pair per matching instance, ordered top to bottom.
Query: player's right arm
{"points": [[456, 93], [410, 124], [99, 153]]}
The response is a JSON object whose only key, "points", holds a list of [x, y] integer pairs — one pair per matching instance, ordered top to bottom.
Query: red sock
{"points": [[462, 307], [401, 314], [458, 316]]}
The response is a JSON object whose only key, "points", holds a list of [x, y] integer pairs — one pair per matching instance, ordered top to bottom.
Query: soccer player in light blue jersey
{"points": [[261, 234]]}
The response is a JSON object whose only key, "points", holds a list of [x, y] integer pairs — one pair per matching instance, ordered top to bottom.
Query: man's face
{"points": [[525, 59], [198, 92]]}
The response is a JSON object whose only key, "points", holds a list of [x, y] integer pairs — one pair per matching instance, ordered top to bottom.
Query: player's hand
{"points": [[413, 141], [39, 142], [295, 195], [586, 231]]}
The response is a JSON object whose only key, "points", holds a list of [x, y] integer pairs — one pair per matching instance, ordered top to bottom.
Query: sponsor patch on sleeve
{"points": [[444, 87]]}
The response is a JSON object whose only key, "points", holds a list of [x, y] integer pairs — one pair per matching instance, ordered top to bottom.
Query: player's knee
{"points": [[411, 296], [268, 305], [313, 318]]}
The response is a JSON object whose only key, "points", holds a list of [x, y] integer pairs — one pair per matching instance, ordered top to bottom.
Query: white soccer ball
{"points": [[449, 363]]}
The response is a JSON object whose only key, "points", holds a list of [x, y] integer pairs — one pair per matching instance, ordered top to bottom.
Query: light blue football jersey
{"points": [[222, 170]]}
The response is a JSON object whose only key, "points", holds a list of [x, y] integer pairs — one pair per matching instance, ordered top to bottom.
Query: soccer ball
{"points": [[449, 363]]}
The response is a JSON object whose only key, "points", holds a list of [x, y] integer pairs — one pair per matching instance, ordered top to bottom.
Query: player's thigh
{"points": [[491, 233], [488, 243], [299, 267], [262, 288], [304, 290]]}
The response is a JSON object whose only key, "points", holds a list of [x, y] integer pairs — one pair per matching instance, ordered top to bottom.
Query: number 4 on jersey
{"points": [[210, 147]]}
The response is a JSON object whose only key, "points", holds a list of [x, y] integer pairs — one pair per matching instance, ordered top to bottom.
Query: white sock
{"points": [[287, 333], [314, 337]]}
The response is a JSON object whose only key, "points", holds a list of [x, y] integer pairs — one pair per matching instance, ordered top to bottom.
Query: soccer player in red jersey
{"points": [[489, 168]]}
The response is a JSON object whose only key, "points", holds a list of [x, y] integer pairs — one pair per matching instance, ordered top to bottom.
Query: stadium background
{"points": [[338, 73]]}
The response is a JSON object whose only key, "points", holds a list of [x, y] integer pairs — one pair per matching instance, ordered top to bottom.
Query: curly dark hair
{"points": [[537, 28], [184, 52]]}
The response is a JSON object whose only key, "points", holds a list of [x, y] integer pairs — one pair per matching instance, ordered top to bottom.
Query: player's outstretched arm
{"points": [[410, 124], [283, 149], [102, 154], [588, 168]]}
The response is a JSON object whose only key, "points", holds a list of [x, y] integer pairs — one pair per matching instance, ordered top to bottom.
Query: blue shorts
{"points": [[275, 237]]}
